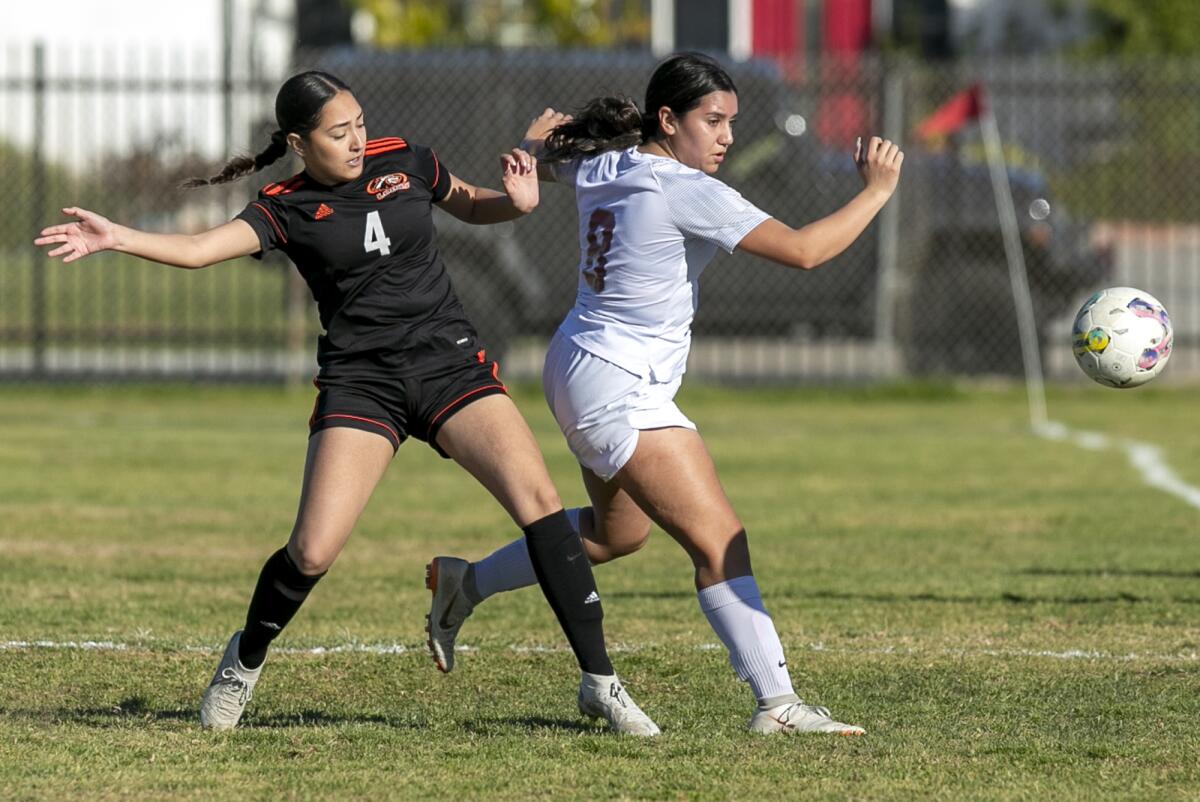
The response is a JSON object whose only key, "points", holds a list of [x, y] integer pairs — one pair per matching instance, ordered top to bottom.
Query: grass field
{"points": [[245, 300], [1009, 618]]}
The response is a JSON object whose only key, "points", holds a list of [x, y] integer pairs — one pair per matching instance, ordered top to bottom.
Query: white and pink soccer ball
{"points": [[1122, 337]]}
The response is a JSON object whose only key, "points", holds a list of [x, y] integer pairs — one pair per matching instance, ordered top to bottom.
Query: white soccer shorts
{"points": [[601, 407]]}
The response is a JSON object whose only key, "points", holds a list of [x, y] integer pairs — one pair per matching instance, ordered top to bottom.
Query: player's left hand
{"points": [[543, 125], [878, 162], [519, 175]]}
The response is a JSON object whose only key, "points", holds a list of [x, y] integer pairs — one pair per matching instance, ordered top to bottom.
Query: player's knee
{"points": [[540, 500], [613, 536], [628, 541], [311, 559]]}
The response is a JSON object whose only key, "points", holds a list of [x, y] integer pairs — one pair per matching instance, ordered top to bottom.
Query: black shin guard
{"points": [[565, 575], [280, 591]]}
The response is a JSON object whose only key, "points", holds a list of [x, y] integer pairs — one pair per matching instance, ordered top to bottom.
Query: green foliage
{"points": [[410, 22], [536, 23], [598, 23], [1141, 28], [1151, 173], [41, 188], [1010, 618]]}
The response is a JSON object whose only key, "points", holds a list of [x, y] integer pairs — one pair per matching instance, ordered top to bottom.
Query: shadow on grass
{"points": [[1136, 572], [1003, 598], [1006, 598], [137, 709], [491, 726]]}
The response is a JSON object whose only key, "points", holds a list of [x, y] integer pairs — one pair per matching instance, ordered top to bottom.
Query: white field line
{"points": [[1148, 459], [627, 648]]}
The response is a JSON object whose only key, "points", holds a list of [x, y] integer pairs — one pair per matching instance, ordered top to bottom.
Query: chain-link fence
{"points": [[1099, 159]]}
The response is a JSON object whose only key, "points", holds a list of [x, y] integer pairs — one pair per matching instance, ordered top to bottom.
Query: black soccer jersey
{"points": [[366, 249]]}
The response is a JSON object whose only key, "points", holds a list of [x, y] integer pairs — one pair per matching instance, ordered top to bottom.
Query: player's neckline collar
{"points": [[644, 154], [308, 179]]}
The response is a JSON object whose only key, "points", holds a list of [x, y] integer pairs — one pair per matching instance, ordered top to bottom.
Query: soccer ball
{"points": [[1122, 337]]}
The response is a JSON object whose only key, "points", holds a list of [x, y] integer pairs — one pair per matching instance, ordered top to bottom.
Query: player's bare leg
{"points": [[342, 468], [341, 472], [672, 478], [614, 526]]}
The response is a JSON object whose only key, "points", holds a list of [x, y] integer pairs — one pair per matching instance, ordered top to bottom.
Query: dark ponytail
{"points": [[297, 111], [605, 123], [610, 123]]}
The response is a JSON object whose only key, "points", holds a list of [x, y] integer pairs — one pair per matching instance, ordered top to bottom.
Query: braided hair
{"points": [[298, 106]]}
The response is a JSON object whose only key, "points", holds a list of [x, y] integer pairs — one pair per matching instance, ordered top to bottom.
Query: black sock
{"points": [[565, 575], [280, 591]]}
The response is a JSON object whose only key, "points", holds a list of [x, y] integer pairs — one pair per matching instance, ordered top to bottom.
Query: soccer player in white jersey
{"points": [[651, 216]]}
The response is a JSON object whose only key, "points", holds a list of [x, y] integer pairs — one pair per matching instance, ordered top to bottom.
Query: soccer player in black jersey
{"points": [[398, 358]]}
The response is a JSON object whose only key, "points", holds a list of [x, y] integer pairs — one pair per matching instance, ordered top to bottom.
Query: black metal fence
{"points": [[1099, 161]]}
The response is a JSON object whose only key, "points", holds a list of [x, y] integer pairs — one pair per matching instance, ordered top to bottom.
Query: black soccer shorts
{"points": [[400, 407]]}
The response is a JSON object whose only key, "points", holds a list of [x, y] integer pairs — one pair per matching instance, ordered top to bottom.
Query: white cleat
{"points": [[448, 610], [230, 690], [605, 697], [798, 717]]}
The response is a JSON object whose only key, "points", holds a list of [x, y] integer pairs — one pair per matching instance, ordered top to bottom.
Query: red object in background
{"points": [[846, 26], [778, 32], [843, 114], [952, 115]]}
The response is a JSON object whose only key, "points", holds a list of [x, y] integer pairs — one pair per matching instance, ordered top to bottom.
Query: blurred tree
{"points": [[413, 23], [513, 23], [1142, 28], [1148, 170], [45, 185]]}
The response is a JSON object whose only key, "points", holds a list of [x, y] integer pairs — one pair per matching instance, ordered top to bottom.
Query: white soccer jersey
{"points": [[648, 226]]}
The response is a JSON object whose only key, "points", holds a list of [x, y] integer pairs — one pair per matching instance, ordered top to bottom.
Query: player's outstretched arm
{"points": [[482, 206], [92, 233], [818, 242]]}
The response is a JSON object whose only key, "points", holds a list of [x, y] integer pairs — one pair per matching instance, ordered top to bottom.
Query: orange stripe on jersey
{"points": [[384, 140], [377, 146], [388, 149], [437, 170], [284, 187], [271, 220]]}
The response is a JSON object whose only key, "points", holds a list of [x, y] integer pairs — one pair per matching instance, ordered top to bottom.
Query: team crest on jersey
{"points": [[384, 185]]}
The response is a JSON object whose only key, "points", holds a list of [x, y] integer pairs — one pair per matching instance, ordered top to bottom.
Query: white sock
{"points": [[508, 567], [735, 611]]}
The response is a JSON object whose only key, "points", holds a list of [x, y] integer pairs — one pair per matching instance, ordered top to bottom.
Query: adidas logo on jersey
{"points": [[322, 212], [592, 598]]}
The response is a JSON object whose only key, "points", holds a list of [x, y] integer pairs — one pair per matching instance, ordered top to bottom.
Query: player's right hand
{"points": [[879, 164], [519, 175], [90, 234]]}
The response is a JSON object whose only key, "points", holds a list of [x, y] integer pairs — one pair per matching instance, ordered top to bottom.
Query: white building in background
{"points": [[193, 41]]}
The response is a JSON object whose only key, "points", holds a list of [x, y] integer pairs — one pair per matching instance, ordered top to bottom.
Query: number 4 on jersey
{"points": [[373, 238]]}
